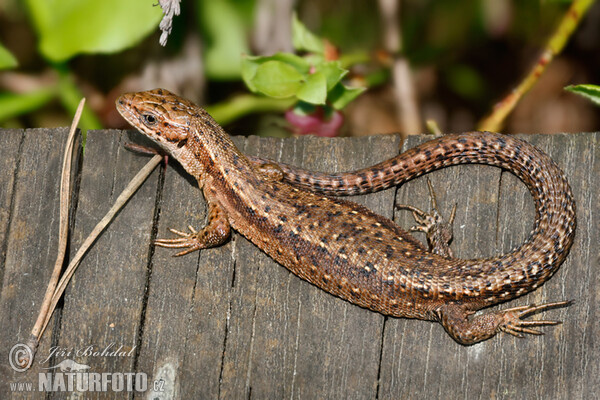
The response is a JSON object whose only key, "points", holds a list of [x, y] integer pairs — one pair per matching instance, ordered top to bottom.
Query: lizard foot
{"points": [[149, 151], [436, 229], [215, 233], [210, 236], [188, 241], [516, 326], [467, 329]]}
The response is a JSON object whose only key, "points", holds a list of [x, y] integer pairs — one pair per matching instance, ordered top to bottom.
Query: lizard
{"points": [[351, 252]]}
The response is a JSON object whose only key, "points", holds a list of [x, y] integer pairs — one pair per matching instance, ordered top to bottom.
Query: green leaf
{"points": [[70, 27], [303, 39], [314, 58], [7, 60], [251, 63], [301, 64], [249, 66], [332, 72], [277, 79], [314, 89], [591, 92], [342, 95], [15, 104], [244, 104], [302, 108]]}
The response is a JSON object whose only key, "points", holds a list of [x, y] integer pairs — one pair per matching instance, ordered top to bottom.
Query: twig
{"points": [[557, 42], [433, 127], [135, 183], [131, 188], [65, 202], [55, 290]]}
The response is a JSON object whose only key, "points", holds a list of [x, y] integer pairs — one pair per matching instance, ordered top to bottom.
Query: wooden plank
{"points": [[31, 240], [105, 298], [566, 364], [505, 367]]}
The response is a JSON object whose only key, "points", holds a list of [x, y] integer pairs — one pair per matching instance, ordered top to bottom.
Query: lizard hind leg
{"points": [[436, 229], [216, 231], [467, 329]]}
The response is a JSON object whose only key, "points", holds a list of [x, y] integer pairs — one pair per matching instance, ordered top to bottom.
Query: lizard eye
{"points": [[149, 119]]}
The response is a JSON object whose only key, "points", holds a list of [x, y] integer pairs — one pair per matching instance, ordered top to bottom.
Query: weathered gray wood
{"points": [[10, 142], [32, 226], [106, 296], [229, 322], [572, 366]]}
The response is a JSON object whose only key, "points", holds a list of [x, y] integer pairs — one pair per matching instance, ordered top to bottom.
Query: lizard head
{"points": [[160, 115], [184, 130]]}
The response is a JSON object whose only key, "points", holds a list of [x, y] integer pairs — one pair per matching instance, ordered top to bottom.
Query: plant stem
{"points": [[556, 43], [239, 106]]}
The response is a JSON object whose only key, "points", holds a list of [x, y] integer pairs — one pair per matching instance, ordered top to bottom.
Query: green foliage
{"points": [[70, 27], [225, 30], [430, 36], [305, 40], [7, 60], [277, 79], [311, 79], [314, 89], [591, 92], [342, 95], [69, 96], [15, 104], [244, 104]]}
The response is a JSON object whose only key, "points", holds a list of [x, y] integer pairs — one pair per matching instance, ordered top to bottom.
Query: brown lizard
{"points": [[351, 252]]}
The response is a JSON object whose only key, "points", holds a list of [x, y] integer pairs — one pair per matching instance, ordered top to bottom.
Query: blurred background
{"points": [[448, 61]]}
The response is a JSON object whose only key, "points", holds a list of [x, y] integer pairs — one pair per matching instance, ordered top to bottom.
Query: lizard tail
{"points": [[508, 275]]}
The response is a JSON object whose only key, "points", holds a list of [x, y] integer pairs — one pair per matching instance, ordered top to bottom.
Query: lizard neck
{"points": [[212, 153]]}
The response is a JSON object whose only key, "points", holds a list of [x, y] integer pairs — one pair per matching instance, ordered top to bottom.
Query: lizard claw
{"points": [[183, 234], [189, 241], [514, 325]]}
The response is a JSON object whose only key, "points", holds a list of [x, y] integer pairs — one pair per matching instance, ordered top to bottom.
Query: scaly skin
{"points": [[351, 252]]}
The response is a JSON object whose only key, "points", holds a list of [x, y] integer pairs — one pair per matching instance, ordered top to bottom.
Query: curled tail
{"points": [[509, 275]]}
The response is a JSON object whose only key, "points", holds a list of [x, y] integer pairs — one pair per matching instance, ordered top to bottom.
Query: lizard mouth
{"points": [[123, 105]]}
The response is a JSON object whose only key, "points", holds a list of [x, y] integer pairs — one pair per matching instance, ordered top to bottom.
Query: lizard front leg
{"points": [[216, 231]]}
